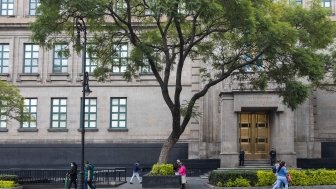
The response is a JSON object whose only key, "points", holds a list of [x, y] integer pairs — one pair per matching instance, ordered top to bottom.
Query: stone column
{"points": [[229, 132], [282, 135]]}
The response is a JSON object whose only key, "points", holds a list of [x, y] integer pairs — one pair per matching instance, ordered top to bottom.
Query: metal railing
{"points": [[102, 176]]}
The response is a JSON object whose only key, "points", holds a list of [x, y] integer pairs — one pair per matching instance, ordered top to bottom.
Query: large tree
{"points": [[276, 42]]}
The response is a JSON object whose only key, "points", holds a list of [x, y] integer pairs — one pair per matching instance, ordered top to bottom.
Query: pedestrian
{"points": [[272, 154], [241, 157], [176, 166], [136, 169], [274, 170], [183, 172], [282, 172], [72, 174], [88, 175]]}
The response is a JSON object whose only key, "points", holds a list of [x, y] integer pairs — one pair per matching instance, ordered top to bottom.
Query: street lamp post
{"points": [[81, 27]]}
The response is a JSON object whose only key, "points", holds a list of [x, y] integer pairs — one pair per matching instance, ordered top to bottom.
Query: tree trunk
{"points": [[166, 148]]}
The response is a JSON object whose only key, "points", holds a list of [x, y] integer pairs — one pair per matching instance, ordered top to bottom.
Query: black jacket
{"points": [[73, 172]]}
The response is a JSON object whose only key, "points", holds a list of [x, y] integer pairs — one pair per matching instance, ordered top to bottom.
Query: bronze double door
{"points": [[254, 135]]}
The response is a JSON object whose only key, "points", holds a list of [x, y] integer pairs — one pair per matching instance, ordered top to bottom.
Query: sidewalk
{"points": [[192, 183]]}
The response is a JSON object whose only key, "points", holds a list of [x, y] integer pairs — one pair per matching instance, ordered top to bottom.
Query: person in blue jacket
{"points": [[136, 169], [281, 176]]}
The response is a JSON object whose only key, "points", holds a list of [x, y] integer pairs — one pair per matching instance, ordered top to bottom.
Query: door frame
{"points": [[256, 134]]}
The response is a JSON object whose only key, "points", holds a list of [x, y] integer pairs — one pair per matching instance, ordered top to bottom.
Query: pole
{"points": [[81, 27]]}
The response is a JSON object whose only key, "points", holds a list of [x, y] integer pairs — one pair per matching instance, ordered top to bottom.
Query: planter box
{"points": [[161, 181]]}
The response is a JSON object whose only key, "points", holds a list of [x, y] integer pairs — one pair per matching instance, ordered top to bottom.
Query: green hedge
{"points": [[9, 178], [237, 178], [7, 184]]}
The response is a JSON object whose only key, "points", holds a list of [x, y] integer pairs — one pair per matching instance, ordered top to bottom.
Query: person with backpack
{"points": [[136, 169], [88, 175]]}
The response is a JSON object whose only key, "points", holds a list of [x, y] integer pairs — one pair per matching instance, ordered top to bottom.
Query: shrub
{"points": [[162, 170], [232, 175], [9, 178], [267, 178], [238, 182], [7, 184], [219, 184]]}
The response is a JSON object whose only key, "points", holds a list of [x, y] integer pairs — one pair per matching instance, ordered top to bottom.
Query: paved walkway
{"points": [[192, 183]]}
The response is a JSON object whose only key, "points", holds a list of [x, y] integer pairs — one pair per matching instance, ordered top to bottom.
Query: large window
{"points": [[295, 2], [326, 3], [33, 4], [120, 6], [7, 7], [31, 53], [4, 58], [120, 59], [91, 60], [60, 64], [258, 66], [145, 68], [30, 108], [118, 112], [58, 113], [90, 113], [3, 118]]}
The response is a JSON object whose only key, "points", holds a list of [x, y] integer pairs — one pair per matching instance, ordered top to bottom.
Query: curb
{"points": [[18, 187], [268, 187]]}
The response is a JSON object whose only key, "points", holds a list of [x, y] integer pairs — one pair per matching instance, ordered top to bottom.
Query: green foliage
{"points": [[295, 93], [11, 102], [162, 170], [235, 177], [9, 178], [267, 178], [238, 182], [7, 184], [220, 184]]}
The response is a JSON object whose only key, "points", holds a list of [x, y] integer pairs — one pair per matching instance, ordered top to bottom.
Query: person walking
{"points": [[136, 169], [274, 170], [183, 172], [282, 172], [72, 174], [88, 175]]}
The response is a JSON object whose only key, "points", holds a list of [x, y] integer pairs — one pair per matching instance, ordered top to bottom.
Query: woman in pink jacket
{"points": [[183, 173]]}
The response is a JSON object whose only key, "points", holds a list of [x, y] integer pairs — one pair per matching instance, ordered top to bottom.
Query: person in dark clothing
{"points": [[272, 154], [241, 157], [176, 166], [136, 169], [72, 174]]}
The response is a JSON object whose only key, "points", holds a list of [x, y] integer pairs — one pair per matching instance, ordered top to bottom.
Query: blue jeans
{"points": [[280, 180], [86, 183]]}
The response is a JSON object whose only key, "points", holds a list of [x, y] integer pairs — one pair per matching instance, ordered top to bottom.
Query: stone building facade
{"points": [[128, 121]]}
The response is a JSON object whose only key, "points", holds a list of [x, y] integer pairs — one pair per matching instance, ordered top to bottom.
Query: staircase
{"points": [[252, 165]]}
